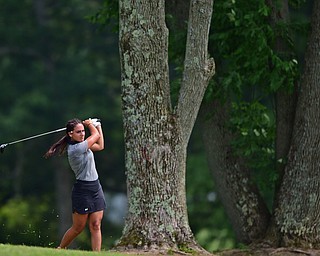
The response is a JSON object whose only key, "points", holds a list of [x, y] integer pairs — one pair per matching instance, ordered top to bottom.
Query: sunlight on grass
{"points": [[21, 250]]}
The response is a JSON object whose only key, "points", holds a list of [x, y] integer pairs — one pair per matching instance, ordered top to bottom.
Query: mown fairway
{"points": [[21, 250]]}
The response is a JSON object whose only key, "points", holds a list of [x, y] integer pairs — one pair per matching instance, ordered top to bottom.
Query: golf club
{"points": [[2, 146]]}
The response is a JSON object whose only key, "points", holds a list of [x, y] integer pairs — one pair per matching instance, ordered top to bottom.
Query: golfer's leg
{"points": [[78, 224], [95, 229]]}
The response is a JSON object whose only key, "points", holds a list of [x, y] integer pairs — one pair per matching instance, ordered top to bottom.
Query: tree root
{"points": [[299, 251]]}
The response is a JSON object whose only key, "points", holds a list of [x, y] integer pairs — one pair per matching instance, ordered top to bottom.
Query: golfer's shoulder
{"points": [[77, 148]]}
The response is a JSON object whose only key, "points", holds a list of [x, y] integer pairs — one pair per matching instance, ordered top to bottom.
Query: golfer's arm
{"points": [[94, 136], [99, 145]]}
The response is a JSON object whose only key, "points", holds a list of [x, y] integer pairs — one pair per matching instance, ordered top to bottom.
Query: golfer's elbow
{"points": [[100, 144], [99, 147]]}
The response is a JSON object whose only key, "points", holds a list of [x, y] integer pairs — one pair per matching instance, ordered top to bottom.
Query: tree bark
{"points": [[286, 102], [156, 136], [242, 202], [297, 215]]}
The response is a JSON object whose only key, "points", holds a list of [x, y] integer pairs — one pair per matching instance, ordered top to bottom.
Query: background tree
{"points": [[237, 128], [157, 134], [297, 212], [294, 222]]}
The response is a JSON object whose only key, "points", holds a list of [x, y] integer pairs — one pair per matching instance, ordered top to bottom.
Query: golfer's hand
{"points": [[87, 122], [96, 122]]}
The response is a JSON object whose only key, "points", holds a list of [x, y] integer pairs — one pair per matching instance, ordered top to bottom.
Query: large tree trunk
{"points": [[286, 98], [286, 101], [156, 136], [243, 204], [297, 214]]}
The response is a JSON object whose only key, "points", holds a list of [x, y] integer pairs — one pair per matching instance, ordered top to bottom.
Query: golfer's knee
{"points": [[95, 226], [78, 228]]}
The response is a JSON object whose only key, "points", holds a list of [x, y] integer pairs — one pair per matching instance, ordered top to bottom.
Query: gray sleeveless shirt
{"points": [[81, 161]]}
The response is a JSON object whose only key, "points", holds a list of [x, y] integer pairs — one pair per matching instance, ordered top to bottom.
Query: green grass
{"points": [[22, 250]]}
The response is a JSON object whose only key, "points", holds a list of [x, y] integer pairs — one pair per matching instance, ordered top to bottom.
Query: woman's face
{"points": [[78, 133]]}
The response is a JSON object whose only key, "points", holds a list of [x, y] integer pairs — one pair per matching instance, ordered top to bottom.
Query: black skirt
{"points": [[87, 197]]}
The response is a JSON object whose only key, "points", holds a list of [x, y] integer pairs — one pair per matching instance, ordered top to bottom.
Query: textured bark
{"points": [[198, 68], [285, 100], [285, 113], [156, 135], [244, 206], [297, 214]]}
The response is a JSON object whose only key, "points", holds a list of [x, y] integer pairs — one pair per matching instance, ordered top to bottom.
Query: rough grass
{"points": [[21, 250]]}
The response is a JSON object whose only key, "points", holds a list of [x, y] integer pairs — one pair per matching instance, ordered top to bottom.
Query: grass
{"points": [[22, 250]]}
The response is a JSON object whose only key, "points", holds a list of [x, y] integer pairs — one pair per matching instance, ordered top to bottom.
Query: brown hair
{"points": [[59, 147]]}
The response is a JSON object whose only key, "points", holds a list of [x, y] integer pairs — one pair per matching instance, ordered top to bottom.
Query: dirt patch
{"points": [[235, 252], [270, 252]]}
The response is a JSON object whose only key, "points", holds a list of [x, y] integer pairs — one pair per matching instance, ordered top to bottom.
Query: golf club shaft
{"points": [[36, 136]]}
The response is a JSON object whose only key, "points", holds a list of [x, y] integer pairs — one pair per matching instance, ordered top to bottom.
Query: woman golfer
{"points": [[88, 202]]}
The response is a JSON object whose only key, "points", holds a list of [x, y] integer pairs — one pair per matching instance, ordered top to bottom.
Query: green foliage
{"points": [[296, 3], [108, 14], [239, 35], [242, 43], [176, 59], [249, 72], [253, 125], [254, 128], [28, 221], [216, 239]]}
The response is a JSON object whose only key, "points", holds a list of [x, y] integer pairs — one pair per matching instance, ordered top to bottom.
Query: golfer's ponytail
{"points": [[59, 147]]}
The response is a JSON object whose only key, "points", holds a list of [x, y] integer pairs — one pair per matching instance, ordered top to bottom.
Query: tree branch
{"points": [[198, 68]]}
